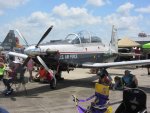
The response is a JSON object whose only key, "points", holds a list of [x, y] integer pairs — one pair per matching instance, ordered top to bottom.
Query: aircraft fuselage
{"points": [[72, 55]]}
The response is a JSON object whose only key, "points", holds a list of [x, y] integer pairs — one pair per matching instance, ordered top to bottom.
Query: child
{"points": [[104, 77], [118, 83]]}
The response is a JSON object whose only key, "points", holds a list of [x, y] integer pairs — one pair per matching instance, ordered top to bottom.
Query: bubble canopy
{"points": [[82, 37]]}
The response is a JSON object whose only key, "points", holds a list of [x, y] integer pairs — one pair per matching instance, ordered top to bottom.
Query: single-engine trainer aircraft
{"points": [[76, 51]]}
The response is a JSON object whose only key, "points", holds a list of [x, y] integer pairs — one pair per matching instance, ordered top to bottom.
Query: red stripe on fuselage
{"points": [[81, 52]]}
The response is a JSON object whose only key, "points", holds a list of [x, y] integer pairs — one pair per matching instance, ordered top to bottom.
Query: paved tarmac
{"points": [[41, 99]]}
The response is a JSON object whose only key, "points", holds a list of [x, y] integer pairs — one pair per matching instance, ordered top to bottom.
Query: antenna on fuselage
{"points": [[113, 43]]}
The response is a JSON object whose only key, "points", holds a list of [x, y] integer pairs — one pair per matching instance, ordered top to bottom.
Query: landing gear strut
{"points": [[58, 76], [53, 84]]}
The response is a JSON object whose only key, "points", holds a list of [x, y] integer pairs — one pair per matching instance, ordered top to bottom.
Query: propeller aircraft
{"points": [[76, 51]]}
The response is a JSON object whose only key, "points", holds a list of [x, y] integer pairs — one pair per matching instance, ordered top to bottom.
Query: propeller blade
{"points": [[45, 34], [21, 36], [26, 61], [42, 62], [45, 66]]}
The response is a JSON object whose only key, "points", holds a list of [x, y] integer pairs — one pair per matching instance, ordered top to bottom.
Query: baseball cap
{"points": [[127, 71]]}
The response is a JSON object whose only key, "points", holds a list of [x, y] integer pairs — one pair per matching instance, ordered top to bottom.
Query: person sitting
{"points": [[13, 73], [43, 75], [46, 76], [104, 78], [7, 79], [129, 80], [118, 83], [100, 104]]}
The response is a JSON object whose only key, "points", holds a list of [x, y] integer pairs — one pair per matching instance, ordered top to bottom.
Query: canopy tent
{"points": [[126, 42], [146, 46]]}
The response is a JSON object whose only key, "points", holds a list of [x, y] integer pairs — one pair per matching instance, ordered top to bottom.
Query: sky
{"points": [[34, 17]]}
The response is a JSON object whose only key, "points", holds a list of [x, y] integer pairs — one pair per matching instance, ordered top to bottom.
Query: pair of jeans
{"points": [[7, 83]]}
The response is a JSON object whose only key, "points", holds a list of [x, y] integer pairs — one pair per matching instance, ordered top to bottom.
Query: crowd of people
{"points": [[12, 71], [127, 81]]}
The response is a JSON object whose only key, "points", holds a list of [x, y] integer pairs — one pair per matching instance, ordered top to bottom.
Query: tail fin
{"points": [[10, 41], [114, 41]]}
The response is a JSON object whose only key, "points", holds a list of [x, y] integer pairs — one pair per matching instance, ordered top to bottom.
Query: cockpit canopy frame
{"points": [[79, 38]]}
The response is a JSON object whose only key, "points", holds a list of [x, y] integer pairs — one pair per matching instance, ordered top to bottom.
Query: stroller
{"points": [[134, 101], [100, 104]]}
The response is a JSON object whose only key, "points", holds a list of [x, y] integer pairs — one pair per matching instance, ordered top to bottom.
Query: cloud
{"points": [[97, 2], [11, 3], [125, 8], [143, 10], [64, 11], [1, 12], [74, 15], [71, 19], [65, 20], [123, 22]]}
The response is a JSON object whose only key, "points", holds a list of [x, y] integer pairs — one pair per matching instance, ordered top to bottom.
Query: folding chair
{"points": [[20, 80], [134, 101], [100, 104]]}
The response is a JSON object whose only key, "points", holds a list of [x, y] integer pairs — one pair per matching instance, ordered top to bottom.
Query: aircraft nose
{"points": [[26, 51], [32, 51]]}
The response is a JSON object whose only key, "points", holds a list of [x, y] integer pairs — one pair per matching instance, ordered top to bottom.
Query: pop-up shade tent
{"points": [[126, 42], [146, 46]]}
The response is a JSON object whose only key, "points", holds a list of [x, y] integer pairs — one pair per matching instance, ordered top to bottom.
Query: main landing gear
{"points": [[59, 76]]}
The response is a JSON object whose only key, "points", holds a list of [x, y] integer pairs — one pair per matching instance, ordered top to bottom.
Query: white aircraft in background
{"points": [[77, 52]]}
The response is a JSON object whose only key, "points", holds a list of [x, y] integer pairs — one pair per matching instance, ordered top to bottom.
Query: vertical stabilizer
{"points": [[10, 41], [114, 41]]}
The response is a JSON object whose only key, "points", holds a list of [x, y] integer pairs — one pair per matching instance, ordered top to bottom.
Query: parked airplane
{"points": [[11, 43], [76, 51]]}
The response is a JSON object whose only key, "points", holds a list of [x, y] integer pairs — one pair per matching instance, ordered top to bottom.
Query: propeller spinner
{"points": [[35, 50]]}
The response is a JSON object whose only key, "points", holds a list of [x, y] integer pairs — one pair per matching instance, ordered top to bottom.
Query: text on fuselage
{"points": [[68, 56]]}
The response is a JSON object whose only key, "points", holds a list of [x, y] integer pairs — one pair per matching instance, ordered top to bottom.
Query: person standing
{"points": [[30, 66]]}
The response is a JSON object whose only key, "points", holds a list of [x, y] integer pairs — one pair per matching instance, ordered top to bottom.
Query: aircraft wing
{"points": [[18, 55], [115, 64], [98, 65]]}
